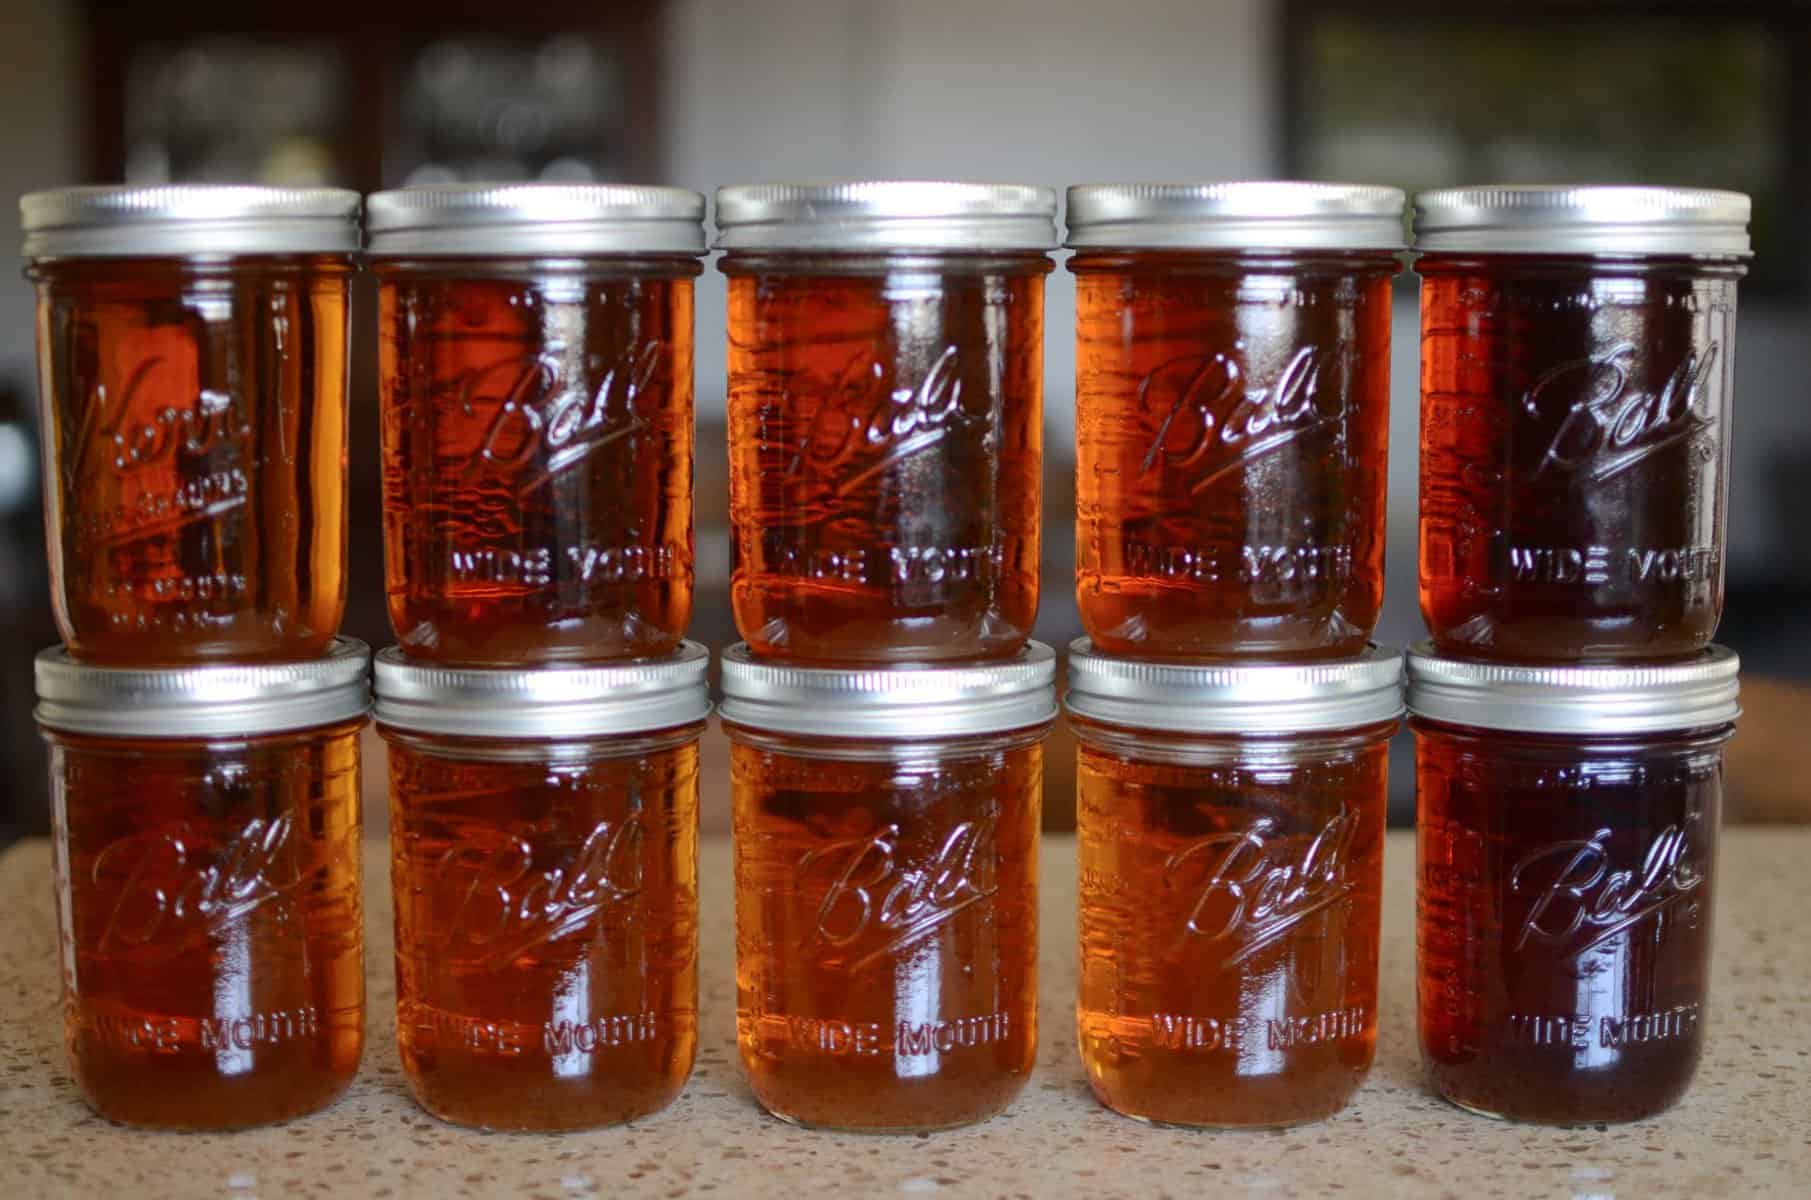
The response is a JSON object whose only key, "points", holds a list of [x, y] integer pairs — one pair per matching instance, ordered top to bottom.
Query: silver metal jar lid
{"points": [[886, 215], [1254, 215], [535, 218], [188, 219], [1561, 219], [1692, 694], [633, 696], [1260, 698], [205, 701], [890, 702]]}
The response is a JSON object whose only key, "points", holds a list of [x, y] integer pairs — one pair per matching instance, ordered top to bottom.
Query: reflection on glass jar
{"points": [[536, 372], [193, 373], [1576, 384], [1232, 415], [885, 417], [886, 835], [1567, 844], [1230, 847], [207, 859], [544, 859]]}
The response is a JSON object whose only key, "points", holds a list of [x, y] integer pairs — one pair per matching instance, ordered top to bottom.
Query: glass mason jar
{"points": [[1577, 354], [886, 359], [535, 361], [192, 373], [1232, 391], [1229, 823], [206, 837], [886, 840], [1567, 853], [544, 858]]}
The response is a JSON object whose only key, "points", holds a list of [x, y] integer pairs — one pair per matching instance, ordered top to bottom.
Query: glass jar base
{"points": [[887, 1130]]}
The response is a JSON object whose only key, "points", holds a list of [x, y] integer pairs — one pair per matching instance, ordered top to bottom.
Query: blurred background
{"points": [[699, 93]]}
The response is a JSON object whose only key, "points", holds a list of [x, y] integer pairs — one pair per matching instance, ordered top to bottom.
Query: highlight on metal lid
{"points": [[1245, 214], [886, 215], [535, 218], [1586, 219], [188, 220], [1693, 693], [1176, 697], [592, 700], [204, 701], [890, 702]]}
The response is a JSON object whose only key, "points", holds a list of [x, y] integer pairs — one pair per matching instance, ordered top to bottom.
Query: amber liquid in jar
{"points": [[1232, 437], [537, 445], [195, 454], [1574, 454], [886, 455], [1229, 910], [1564, 918], [211, 924], [546, 925], [886, 928]]}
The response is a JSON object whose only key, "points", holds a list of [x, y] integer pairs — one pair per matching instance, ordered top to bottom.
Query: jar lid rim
{"points": [[887, 214], [1257, 214], [534, 218], [1582, 218], [183, 219], [1172, 696], [1588, 698], [601, 699], [206, 700], [889, 702]]}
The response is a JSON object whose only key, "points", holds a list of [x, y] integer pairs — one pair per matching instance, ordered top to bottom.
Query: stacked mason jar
{"points": [[1232, 414], [886, 709], [1570, 711], [203, 716]]}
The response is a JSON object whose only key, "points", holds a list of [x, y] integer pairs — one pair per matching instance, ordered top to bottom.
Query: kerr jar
{"points": [[886, 346], [1577, 348], [535, 366], [1232, 369], [192, 375], [886, 839], [206, 840], [1230, 845], [1567, 855], [544, 857]]}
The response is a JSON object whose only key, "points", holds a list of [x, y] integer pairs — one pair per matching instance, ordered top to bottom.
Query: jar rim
{"points": [[886, 214], [1255, 214], [483, 219], [1582, 219], [164, 220], [638, 695], [1168, 696], [1585, 699], [208, 700], [889, 702]]}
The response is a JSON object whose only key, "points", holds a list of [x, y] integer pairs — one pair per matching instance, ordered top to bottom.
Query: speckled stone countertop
{"points": [[1745, 1128]]}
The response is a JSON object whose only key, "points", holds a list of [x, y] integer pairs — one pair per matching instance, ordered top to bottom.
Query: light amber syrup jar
{"points": [[535, 367], [1577, 371], [886, 372], [1232, 372], [192, 377], [1567, 823], [206, 834], [886, 841], [1230, 843], [544, 858]]}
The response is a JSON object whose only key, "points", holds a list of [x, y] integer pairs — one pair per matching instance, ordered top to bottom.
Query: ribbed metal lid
{"points": [[886, 215], [1256, 215], [535, 218], [188, 219], [1562, 219], [1691, 694], [633, 696], [1260, 698], [210, 701], [890, 702]]}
